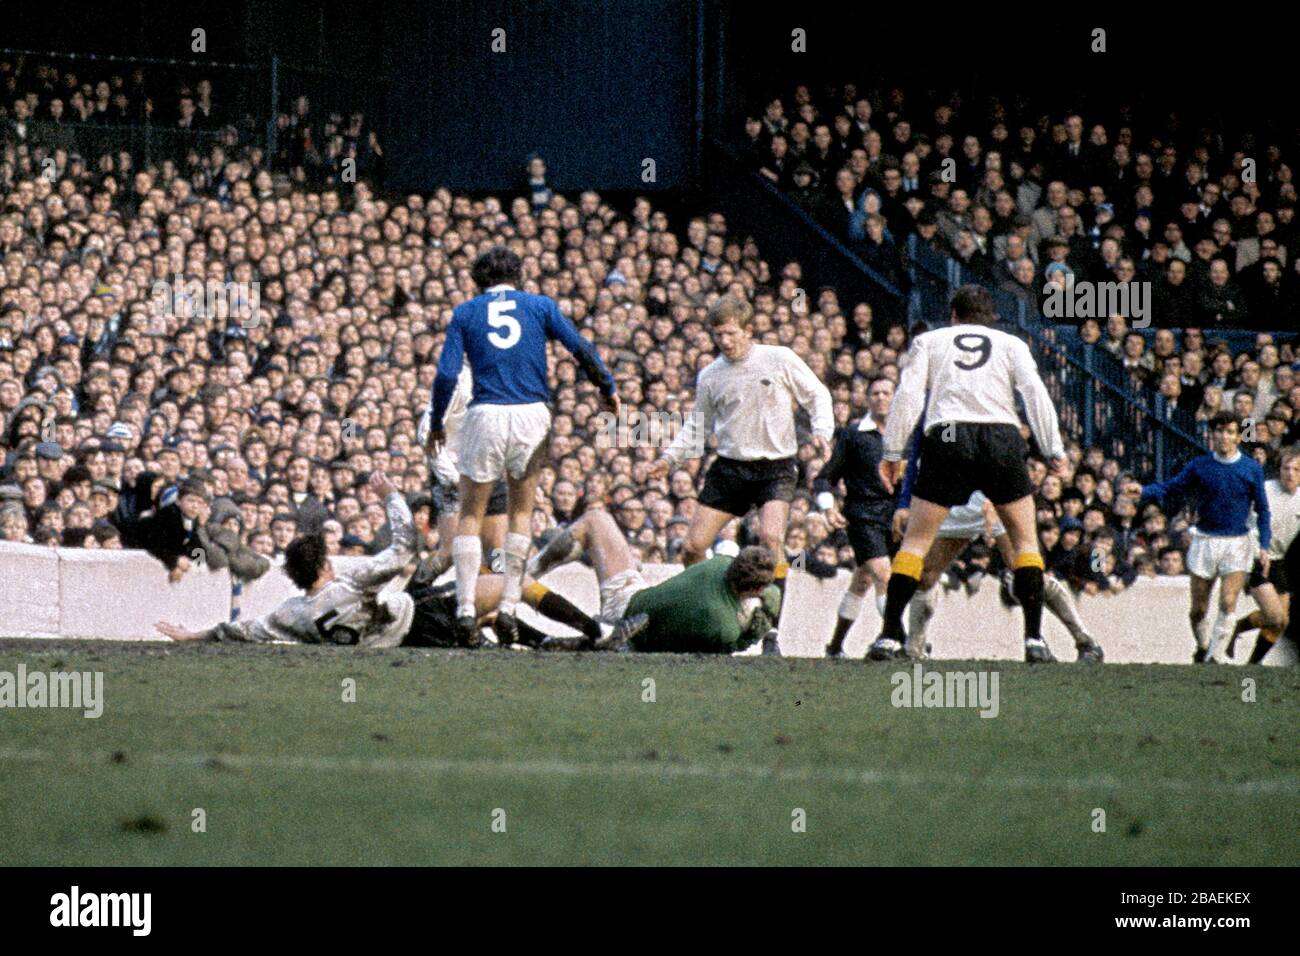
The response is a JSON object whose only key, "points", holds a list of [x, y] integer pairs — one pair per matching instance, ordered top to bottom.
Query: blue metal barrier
{"points": [[1089, 386]]}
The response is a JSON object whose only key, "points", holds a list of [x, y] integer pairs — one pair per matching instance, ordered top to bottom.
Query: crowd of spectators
{"points": [[71, 112], [1022, 199], [137, 417]]}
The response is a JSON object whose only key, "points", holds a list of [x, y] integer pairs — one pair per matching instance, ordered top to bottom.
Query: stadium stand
{"points": [[279, 403]]}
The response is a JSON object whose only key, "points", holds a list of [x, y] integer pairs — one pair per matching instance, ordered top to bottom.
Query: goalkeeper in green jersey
{"points": [[715, 607]]}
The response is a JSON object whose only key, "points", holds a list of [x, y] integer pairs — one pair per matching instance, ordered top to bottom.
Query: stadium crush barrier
{"points": [[754, 207], [1088, 384], [119, 595]]}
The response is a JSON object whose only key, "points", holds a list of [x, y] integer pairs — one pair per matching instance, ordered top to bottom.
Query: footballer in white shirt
{"points": [[965, 379], [746, 398], [1272, 590]]}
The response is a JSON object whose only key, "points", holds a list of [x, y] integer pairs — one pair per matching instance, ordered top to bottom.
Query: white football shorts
{"points": [[496, 440], [1212, 556], [617, 592]]}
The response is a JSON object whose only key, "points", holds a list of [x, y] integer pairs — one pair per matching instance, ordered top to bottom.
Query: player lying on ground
{"points": [[503, 332], [965, 379], [746, 397], [446, 481], [1225, 484], [868, 507], [964, 524], [1272, 592], [717, 606], [349, 609]]}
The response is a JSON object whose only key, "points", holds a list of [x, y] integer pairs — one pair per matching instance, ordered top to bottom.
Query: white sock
{"points": [[466, 555], [514, 555], [1057, 599], [850, 606], [919, 611], [1222, 628], [1201, 630]]}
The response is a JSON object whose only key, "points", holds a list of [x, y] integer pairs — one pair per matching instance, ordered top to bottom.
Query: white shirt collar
{"points": [[502, 287], [868, 424], [1228, 461]]}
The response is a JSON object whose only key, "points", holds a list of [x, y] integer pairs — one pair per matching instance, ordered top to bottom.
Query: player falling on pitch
{"points": [[503, 332], [965, 379], [746, 397], [1226, 484], [868, 507], [1272, 591], [717, 606], [354, 608]]}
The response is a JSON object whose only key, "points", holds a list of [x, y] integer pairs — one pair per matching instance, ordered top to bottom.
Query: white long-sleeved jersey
{"points": [[970, 373], [749, 405], [446, 465], [1284, 513], [349, 605]]}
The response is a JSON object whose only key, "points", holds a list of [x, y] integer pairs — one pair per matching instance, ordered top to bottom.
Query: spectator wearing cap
{"points": [[807, 192], [49, 461], [103, 499]]}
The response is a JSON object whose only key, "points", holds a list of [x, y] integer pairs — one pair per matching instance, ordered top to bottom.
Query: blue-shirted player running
{"points": [[503, 333], [1225, 484]]}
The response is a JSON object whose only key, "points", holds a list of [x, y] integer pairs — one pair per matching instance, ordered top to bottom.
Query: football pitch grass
{"points": [[499, 757]]}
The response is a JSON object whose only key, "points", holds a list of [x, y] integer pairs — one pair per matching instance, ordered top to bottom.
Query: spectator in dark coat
{"points": [[1175, 302], [1220, 302], [134, 504], [171, 534]]}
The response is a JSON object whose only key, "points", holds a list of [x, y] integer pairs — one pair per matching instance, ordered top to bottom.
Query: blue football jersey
{"points": [[503, 334]]}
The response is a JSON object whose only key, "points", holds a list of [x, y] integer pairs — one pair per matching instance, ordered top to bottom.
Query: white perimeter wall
{"points": [[119, 595]]}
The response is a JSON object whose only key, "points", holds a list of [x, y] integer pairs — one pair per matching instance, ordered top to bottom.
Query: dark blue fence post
{"points": [[274, 108], [1085, 389], [1159, 446]]}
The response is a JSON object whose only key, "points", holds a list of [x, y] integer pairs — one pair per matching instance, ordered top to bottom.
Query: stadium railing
{"points": [[249, 95], [146, 142], [755, 207], [1088, 384], [1091, 389]]}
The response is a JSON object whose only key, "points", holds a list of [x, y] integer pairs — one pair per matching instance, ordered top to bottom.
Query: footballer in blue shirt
{"points": [[502, 333], [1225, 485]]}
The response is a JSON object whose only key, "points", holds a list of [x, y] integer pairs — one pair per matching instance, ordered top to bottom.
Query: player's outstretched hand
{"points": [[612, 403], [437, 438], [822, 445], [1060, 466], [660, 468], [889, 472], [381, 483], [1132, 489], [177, 633]]}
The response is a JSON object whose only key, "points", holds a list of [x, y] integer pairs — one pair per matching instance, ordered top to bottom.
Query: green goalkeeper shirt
{"points": [[695, 612]]}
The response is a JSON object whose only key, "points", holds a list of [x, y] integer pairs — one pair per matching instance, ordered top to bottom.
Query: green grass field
{"points": [[585, 771]]}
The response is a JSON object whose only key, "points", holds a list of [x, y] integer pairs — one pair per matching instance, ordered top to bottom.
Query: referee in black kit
{"points": [[868, 507]]}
